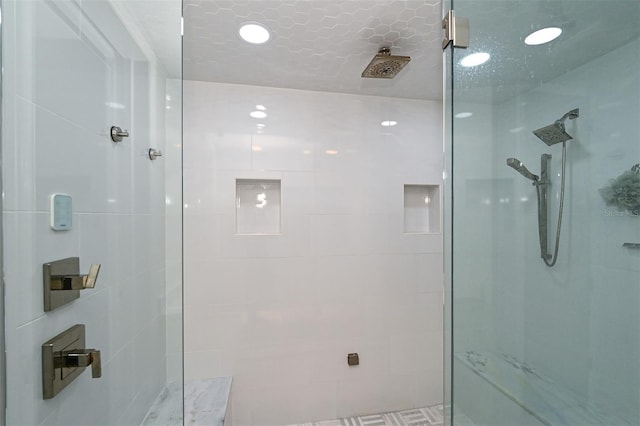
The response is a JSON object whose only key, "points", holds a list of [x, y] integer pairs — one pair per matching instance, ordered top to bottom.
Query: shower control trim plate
{"points": [[62, 281], [64, 358]]}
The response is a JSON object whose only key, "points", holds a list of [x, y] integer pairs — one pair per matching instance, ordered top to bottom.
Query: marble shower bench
{"points": [[205, 404]]}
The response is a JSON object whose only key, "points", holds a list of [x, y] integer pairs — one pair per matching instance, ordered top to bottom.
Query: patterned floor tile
{"points": [[435, 414], [426, 416]]}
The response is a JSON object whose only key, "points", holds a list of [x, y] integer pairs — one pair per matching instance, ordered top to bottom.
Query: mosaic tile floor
{"points": [[427, 416]]}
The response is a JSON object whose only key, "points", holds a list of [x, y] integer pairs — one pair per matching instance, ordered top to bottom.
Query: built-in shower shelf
{"points": [[258, 206], [421, 209], [631, 245]]}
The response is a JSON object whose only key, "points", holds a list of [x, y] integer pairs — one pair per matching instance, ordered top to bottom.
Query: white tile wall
{"points": [[64, 86], [280, 313], [576, 322]]}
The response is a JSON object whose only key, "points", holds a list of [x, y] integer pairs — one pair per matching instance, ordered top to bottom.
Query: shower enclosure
{"points": [[85, 99], [313, 243], [530, 344]]}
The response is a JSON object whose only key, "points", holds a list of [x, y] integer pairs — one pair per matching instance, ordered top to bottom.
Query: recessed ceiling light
{"points": [[254, 33], [543, 36], [475, 59], [261, 107], [258, 114], [463, 114], [388, 123], [331, 152]]}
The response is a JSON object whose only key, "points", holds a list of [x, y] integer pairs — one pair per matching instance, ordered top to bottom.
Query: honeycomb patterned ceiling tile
{"points": [[316, 44], [325, 44]]}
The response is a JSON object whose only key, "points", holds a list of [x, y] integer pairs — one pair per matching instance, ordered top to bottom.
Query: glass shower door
{"points": [[83, 103], [537, 342]]}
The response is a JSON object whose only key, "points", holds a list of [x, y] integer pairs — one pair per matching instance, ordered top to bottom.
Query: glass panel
{"points": [[71, 72], [537, 341], [3, 380]]}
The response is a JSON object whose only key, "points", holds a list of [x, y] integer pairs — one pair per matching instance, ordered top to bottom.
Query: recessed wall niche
{"points": [[257, 206], [421, 209]]}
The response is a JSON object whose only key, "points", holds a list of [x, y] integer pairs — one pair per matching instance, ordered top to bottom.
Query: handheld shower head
{"points": [[571, 115], [520, 168]]}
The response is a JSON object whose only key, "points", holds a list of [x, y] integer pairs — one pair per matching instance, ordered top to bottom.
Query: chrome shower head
{"points": [[385, 65], [556, 133], [520, 168]]}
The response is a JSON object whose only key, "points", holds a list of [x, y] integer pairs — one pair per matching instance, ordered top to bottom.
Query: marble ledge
{"points": [[205, 403]]}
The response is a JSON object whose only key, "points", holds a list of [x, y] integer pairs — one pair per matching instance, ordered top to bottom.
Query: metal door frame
{"points": [[3, 386]]}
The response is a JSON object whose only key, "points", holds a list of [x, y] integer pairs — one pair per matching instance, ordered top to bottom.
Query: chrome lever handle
{"points": [[117, 134], [89, 280], [76, 282], [80, 358], [96, 364]]}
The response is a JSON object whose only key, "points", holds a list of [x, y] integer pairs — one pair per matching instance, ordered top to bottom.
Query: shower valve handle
{"points": [[76, 282], [80, 358]]}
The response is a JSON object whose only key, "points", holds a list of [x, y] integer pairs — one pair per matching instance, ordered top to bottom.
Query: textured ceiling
{"points": [[158, 22], [591, 28], [325, 44], [319, 45]]}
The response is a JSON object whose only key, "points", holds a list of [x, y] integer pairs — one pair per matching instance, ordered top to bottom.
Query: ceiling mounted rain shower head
{"points": [[385, 65], [556, 133]]}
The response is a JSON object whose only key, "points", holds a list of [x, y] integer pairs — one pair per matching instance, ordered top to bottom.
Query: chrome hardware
{"points": [[456, 30], [117, 134], [154, 153], [543, 205], [631, 245], [62, 281], [76, 282], [64, 358], [79, 358], [353, 359]]}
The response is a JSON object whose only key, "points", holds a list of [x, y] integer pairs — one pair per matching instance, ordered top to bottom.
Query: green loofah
{"points": [[623, 192]]}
